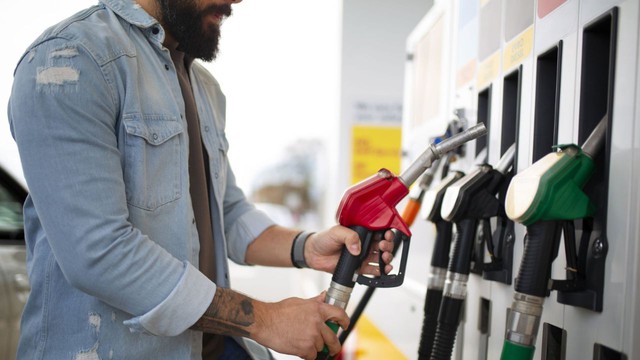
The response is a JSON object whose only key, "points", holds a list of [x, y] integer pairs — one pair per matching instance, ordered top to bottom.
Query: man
{"points": [[133, 208]]}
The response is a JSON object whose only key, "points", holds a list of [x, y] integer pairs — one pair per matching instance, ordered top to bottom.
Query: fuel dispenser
{"points": [[548, 199], [465, 203], [369, 209], [411, 210], [409, 214], [439, 260]]}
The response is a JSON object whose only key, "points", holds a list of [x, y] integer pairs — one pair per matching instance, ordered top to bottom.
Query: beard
{"points": [[185, 22]]}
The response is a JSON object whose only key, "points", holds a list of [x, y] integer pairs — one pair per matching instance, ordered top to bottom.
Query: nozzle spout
{"points": [[596, 139], [435, 151], [506, 160]]}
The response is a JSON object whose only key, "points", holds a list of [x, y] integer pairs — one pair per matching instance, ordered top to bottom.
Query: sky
{"points": [[278, 66]]}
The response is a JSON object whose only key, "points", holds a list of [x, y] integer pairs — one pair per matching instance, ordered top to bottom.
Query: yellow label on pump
{"points": [[518, 49], [488, 70], [466, 73], [373, 148]]}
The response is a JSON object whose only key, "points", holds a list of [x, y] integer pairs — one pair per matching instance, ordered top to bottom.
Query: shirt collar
{"points": [[131, 11]]}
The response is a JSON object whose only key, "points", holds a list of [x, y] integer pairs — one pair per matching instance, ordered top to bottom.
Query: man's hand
{"points": [[323, 249], [292, 326], [297, 326]]}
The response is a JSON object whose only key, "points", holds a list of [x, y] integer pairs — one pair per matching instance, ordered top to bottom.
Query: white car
{"points": [[14, 284]]}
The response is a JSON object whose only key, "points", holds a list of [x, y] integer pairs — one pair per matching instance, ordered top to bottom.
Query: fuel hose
{"points": [[544, 197], [466, 203], [369, 208]]}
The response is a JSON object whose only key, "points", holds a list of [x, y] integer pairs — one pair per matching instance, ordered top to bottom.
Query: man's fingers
{"points": [[352, 242], [386, 245], [374, 257], [387, 257], [373, 268], [320, 298], [335, 314], [330, 339], [320, 340]]}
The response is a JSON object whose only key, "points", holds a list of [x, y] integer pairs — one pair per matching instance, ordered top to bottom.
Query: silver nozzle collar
{"points": [[436, 279], [456, 286], [338, 295], [523, 319]]}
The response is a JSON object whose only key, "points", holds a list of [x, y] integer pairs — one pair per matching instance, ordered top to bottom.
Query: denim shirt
{"points": [[112, 246]]}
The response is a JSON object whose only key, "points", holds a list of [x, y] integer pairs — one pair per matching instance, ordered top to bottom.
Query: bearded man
{"points": [[133, 209]]}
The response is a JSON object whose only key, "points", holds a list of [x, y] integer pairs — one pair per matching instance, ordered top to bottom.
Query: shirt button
{"points": [[155, 30], [166, 66], [206, 128], [155, 136], [216, 175]]}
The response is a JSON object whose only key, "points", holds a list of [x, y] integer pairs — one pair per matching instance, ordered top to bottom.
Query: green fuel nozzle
{"points": [[551, 188], [546, 198]]}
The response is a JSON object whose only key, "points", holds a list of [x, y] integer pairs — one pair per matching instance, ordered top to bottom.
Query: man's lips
{"points": [[217, 14], [213, 18]]}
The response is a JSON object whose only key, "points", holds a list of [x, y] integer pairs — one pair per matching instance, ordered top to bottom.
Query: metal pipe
{"points": [[596, 139], [433, 152], [506, 160]]}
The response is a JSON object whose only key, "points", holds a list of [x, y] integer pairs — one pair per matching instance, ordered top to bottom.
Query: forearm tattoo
{"points": [[230, 313]]}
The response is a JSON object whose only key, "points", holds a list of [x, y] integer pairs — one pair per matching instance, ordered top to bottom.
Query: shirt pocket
{"points": [[152, 160]]}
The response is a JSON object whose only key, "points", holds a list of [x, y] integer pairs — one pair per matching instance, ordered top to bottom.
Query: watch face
{"points": [[521, 195]]}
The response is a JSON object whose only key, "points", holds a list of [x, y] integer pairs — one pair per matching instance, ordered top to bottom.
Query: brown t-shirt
{"points": [[212, 345]]}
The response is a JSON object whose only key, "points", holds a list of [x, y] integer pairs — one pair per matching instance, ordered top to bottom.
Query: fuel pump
{"points": [[547, 198], [465, 203], [432, 205], [412, 208], [369, 209], [409, 214], [439, 260]]}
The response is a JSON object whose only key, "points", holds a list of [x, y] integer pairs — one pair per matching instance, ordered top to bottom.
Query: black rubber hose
{"points": [[442, 245], [439, 259], [451, 308], [448, 320], [429, 323]]}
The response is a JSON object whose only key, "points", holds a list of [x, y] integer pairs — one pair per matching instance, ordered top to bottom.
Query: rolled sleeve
{"points": [[244, 231], [171, 317]]}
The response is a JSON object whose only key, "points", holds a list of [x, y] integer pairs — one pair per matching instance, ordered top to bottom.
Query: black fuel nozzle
{"points": [[466, 202], [439, 259]]}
